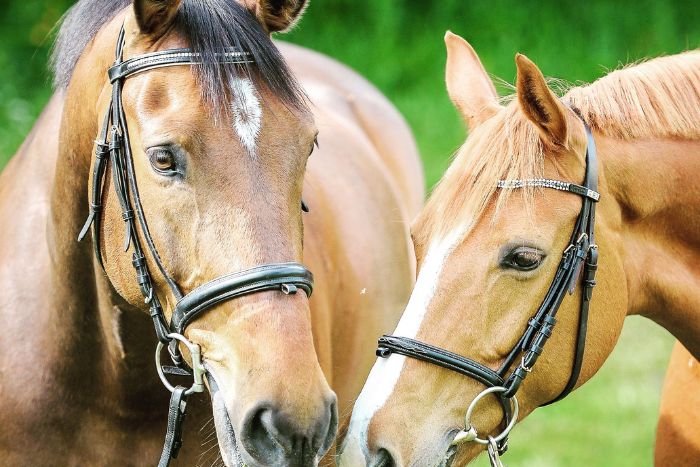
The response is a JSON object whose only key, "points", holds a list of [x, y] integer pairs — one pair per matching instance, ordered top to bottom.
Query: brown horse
{"points": [[220, 155], [487, 256]]}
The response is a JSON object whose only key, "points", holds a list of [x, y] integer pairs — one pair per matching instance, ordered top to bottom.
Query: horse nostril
{"points": [[329, 429], [271, 437], [259, 438], [383, 459]]}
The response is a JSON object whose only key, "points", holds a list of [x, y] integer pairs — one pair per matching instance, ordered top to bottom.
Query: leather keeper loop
{"points": [[115, 141], [101, 150], [383, 352], [513, 383]]}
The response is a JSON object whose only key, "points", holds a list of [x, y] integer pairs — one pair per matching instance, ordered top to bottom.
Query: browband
{"points": [[172, 57], [549, 183]]}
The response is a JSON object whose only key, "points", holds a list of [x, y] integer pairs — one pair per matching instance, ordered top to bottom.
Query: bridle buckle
{"points": [[527, 369]]}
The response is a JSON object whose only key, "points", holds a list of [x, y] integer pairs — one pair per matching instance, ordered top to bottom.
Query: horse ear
{"points": [[277, 15], [154, 17], [468, 84], [541, 106]]}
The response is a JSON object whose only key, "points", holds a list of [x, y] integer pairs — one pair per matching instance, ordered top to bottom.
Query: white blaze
{"points": [[247, 112], [386, 371]]}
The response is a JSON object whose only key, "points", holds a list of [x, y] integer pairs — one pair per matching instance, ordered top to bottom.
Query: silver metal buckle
{"points": [[197, 366], [527, 369], [470, 433]]}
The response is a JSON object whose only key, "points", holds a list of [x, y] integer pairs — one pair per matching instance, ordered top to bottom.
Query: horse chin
{"points": [[228, 447]]}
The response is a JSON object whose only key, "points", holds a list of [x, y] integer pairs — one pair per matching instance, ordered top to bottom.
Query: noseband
{"points": [[113, 145], [579, 263]]}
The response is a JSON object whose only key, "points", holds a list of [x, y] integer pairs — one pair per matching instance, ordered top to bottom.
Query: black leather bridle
{"points": [[113, 145], [579, 262]]}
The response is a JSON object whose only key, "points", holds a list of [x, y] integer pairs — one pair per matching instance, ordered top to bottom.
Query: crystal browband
{"points": [[172, 58], [548, 183]]}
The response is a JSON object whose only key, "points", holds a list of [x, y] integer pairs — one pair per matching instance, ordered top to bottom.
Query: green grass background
{"points": [[397, 44]]}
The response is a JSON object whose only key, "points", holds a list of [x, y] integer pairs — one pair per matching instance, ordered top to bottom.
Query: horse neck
{"points": [[654, 182], [105, 338]]}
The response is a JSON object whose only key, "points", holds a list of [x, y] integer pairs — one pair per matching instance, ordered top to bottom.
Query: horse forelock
{"points": [[209, 27], [657, 98]]}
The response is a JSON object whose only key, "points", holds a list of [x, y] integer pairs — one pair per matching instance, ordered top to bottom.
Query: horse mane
{"points": [[209, 26], [659, 98]]}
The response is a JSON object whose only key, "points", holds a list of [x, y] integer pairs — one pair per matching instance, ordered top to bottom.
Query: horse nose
{"points": [[272, 437]]}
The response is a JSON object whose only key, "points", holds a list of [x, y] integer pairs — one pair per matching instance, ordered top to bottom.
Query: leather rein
{"points": [[113, 146], [578, 264]]}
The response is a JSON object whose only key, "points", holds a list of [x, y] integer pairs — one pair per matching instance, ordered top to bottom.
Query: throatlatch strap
{"points": [[173, 436]]}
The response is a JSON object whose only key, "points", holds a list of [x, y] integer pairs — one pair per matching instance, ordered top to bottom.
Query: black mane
{"points": [[209, 26]]}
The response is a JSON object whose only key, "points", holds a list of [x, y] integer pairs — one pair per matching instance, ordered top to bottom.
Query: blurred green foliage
{"points": [[397, 44], [25, 84]]}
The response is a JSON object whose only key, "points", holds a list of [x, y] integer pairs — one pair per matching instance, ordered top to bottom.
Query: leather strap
{"points": [[172, 57], [549, 183], [589, 270], [286, 277], [437, 356], [452, 361], [173, 435]]}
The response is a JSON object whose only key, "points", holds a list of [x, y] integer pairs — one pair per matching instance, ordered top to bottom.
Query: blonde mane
{"points": [[659, 98]]}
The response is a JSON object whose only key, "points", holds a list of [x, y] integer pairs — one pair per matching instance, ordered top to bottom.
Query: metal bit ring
{"points": [[197, 367], [470, 433]]}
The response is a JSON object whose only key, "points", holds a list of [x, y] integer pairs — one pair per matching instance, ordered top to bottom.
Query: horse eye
{"points": [[162, 160], [524, 259]]}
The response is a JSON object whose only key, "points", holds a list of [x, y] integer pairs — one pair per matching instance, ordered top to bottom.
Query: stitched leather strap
{"points": [[172, 57], [286, 277], [437, 356], [452, 361], [173, 435]]}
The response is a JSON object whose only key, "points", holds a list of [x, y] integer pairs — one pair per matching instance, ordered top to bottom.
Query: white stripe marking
{"points": [[247, 112], [386, 371]]}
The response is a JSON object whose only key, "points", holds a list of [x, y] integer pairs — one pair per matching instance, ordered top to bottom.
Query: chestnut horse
{"points": [[220, 154], [487, 256], [678, 430]]}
